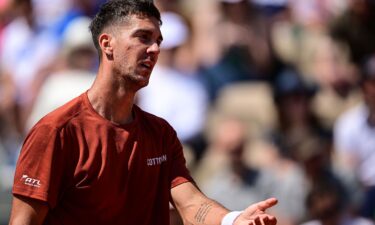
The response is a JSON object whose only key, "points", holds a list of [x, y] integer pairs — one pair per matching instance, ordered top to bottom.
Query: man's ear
{"points": [[106, 44]]}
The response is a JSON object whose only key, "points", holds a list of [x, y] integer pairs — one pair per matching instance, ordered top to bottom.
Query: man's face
{"points": [[136, 47]]}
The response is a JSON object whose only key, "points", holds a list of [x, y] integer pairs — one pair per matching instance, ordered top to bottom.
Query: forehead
{"points": [[140, 22]]}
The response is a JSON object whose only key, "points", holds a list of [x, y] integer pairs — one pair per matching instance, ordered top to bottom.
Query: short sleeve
{"points": [[41, 165], [179, 173]]}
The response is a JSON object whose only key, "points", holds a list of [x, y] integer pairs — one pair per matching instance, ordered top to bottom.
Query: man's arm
{"points": [[197, 209], [27, 211]]}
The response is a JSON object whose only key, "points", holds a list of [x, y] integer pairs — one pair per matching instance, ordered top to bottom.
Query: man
{"points": [[354, 135], [100, 159]]}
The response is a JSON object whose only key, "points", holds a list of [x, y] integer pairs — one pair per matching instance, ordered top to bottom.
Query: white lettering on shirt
{"points": [[156, 161], [31, 181]]}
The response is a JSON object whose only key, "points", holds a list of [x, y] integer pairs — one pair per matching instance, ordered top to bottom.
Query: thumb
{"points": [[261, 206]]}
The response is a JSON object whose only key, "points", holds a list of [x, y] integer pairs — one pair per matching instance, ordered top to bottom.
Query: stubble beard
{"points": [[130, 78], [134, 81], [138, 81]]}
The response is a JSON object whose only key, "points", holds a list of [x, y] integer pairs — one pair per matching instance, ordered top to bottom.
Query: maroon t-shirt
{"points": [[92, 171]]}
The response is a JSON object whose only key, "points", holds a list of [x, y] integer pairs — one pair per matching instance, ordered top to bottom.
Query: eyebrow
{"points": [[160, 38]]}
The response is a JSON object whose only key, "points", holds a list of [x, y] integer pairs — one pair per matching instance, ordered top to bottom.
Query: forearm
{"points": [[196, 208], [26, 211], [205, 212]]}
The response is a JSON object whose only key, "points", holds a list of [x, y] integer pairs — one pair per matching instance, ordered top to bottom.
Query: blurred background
{"points": [[270, 98]]}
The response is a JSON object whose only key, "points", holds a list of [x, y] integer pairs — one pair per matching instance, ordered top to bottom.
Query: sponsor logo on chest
{"points": [[156, 161], [30, 181]]}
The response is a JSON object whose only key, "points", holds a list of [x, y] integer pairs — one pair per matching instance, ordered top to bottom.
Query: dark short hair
{"points": [[115, 11], [290, 81]]}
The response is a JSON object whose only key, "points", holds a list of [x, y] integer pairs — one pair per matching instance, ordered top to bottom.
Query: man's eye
{"points": [[144, 38]]}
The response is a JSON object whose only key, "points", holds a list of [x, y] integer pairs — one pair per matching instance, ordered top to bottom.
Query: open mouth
{"points": [[147, 65]]}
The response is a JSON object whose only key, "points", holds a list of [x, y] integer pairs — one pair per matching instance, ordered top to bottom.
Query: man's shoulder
{"points": [[62, 115]]}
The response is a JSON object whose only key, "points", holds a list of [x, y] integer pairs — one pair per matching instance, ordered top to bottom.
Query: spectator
{"points": [[356, 28], [246, 53], [21, 61], [78, 61], [292, 96], [355, 138], [226, 175], [327, 206]]}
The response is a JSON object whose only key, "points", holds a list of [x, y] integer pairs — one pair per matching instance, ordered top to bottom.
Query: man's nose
{"points": [[154, 48]]}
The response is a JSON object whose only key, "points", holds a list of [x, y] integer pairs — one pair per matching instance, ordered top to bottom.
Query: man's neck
{"points": [[111, 100]]}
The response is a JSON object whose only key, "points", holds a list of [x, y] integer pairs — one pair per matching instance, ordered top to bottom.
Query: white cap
{"points": [[173, 29], [77, 34]]}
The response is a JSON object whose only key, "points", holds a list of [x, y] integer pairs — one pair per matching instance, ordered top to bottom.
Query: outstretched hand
{"points": [[256, 214]]}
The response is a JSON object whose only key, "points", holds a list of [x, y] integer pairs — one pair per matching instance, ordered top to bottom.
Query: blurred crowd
{"points": [[270, 98]]}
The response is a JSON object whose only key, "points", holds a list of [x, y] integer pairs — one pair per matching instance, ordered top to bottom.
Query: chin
{"points": [[139, 80], [139, 84], [144, 84]]}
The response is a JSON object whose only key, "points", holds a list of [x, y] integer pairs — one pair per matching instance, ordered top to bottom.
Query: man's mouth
{"points": [[147, 65]]}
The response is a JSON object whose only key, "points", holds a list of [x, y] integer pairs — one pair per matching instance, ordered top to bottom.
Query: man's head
{"points": [[116, 12], [127, 36], [326, 200]]}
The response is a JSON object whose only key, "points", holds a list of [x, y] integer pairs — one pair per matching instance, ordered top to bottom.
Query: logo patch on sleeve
{"points": [[30, 181]]}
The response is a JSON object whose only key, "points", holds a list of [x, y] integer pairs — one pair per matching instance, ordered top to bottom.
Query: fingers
{"points": [[268, 203], [261, 206], [255, 213], [263, 220], [269, 220]]}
